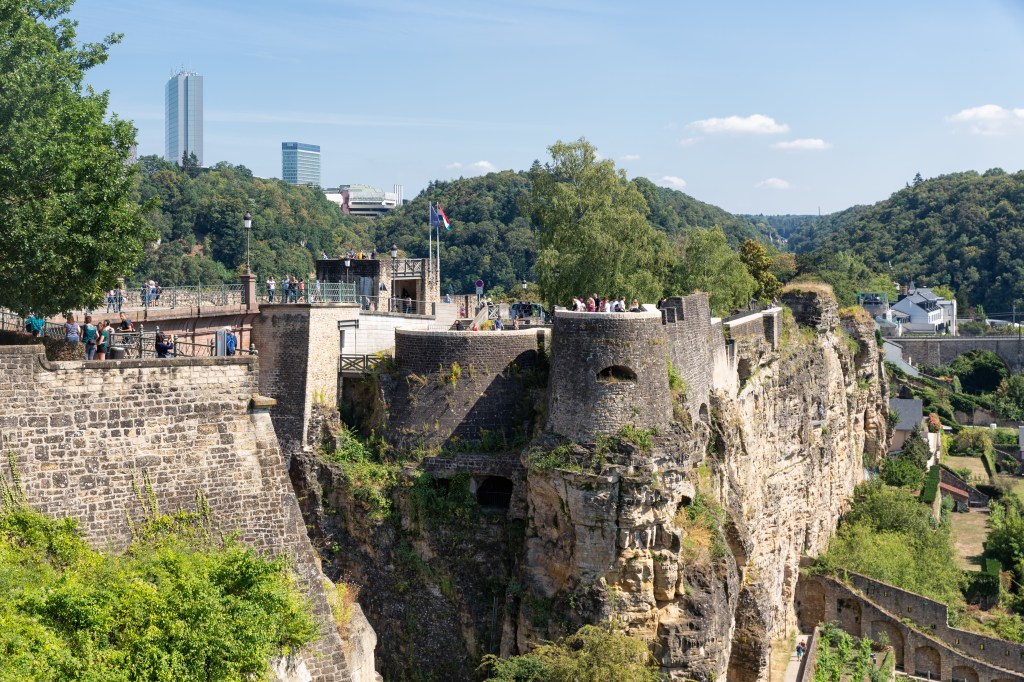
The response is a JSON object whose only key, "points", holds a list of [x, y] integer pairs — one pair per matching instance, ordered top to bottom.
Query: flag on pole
{"points": [[444, 218], [435, 221]]}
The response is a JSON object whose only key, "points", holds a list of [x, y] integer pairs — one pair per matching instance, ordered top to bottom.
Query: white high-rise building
{"points": [[184, 107]]}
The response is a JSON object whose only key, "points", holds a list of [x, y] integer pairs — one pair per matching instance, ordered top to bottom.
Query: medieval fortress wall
{"points": [[85, 438]]}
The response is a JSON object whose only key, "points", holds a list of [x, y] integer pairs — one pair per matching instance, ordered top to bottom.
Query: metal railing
{"points": [[328, 292], [141, 297], [358, 364]]}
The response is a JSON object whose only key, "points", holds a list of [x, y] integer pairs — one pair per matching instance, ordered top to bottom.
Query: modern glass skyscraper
{"points": [[184, 134], [300, 163]]}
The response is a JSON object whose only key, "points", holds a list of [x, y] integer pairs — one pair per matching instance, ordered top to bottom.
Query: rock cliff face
{"points": [[688, 534]]}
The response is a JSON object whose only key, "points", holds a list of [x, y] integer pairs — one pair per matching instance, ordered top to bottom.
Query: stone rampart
{"points": [[694, 344], [608, 370], [462, 385], [87, 436], [869, 608]]}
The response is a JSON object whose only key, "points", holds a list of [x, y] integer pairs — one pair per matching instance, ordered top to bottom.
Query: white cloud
{"points": [[990, 119], [757, 124], [687, 141], [805, 144], [630, 157], [454, 165], [485, 166], [673, 181], [773, 183]]}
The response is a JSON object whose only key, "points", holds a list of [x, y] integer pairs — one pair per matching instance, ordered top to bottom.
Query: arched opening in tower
{"points": [[616, 373], [495, 492]]}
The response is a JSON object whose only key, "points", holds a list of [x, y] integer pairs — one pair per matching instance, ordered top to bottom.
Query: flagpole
{"points": [[438, 228], [430, 236]]}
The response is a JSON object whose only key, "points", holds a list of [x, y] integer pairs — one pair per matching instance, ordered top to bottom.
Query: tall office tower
{"points": [[184, 133], [300, 163]]}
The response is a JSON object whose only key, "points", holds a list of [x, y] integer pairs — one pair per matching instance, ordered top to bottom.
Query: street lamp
{"points": [[247, 221], [394, 259], [348, 262], [524, 286]]}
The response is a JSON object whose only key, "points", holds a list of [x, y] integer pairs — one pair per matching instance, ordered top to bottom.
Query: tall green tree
{"points": [[68, 223], [592, 226], [708, 264], [759, 264]]}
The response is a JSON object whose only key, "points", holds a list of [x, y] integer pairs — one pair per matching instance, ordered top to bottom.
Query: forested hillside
{"points": [[198, 222], [964, 230], [491, 240]]}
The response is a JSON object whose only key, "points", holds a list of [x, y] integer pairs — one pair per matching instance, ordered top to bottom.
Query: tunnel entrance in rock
{"points": [[744, 369], [616, 373], [495, 492]]}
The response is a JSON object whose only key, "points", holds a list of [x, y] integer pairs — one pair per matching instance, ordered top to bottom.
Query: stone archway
{"points": [[495, 493], [810, 605], [848, 614], [882, 631], [927, 662], [964, 673]]}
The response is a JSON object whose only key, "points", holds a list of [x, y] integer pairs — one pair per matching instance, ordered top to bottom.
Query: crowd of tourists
{"points": [[608, 304], [97, 337]]}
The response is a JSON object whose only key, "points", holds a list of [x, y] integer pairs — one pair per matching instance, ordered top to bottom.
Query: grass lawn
{"points": [[977, 467], [969, 532]]}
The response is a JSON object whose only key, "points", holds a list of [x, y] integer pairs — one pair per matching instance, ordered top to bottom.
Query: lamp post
{"points": [[247, 221], [348, 262], [394, 265], [524, 286]]}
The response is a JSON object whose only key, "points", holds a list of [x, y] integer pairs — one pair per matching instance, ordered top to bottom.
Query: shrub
{"points": [[183, 602], [594, 652]]}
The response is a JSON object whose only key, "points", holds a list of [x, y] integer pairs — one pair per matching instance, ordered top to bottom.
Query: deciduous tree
{"points": [[68, 223], [593, 232], [708, 264]]}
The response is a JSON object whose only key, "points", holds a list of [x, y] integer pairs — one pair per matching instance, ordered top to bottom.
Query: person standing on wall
{"points": [[72, 332], [90, 334]]}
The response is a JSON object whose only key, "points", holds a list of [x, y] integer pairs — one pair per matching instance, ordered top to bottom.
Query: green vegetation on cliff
{"points": [[964, 230], [181, 603], [593, 653]]}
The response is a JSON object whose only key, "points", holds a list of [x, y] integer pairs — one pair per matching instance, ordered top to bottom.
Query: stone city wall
{"points": [[694, 344], [942, 351], [462, 385], [86, 436]]}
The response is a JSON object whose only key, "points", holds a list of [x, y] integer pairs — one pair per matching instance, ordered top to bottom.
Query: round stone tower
{"points": [[608, 370]]}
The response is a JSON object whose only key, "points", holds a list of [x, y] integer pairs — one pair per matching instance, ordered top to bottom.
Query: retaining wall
{"points": [[82, 433]]}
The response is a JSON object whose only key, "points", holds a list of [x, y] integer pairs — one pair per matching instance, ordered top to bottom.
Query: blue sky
{"points": [[757, 107]]}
